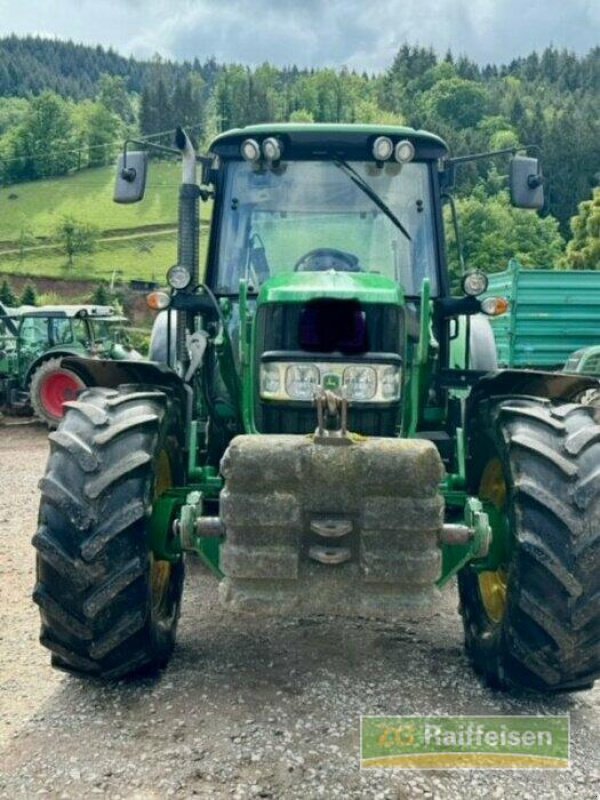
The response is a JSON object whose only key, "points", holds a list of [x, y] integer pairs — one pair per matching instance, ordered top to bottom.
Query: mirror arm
{"points": [[508, 151]]}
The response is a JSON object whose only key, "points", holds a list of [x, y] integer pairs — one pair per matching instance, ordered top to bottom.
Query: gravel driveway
{"points": [[247, 708]]}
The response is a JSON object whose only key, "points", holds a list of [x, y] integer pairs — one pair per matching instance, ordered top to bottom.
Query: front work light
{"points": [[382, 148], [271, 149], [250, 150], [404, 151], [178, 277], [474, 283]]}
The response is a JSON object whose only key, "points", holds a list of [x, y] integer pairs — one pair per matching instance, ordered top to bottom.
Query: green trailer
{"points": [[552, 314]]}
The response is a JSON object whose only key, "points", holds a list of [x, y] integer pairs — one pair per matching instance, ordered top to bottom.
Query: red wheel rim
{"points": [[56, 389]]}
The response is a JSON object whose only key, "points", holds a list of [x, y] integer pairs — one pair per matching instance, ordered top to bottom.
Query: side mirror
{"points": [[131, 177], [526, 183]]}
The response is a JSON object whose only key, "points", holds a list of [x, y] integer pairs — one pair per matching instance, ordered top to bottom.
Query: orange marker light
{"points": [[157, 301], [494, 306]]}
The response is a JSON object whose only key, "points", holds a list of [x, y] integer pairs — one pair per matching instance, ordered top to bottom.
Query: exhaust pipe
{"points": [[188, 242]]}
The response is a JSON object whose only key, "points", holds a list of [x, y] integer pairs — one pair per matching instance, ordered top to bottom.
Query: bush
{"points": [[7, 296], [29, 296]]}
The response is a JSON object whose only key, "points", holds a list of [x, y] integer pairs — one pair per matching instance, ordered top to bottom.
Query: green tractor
{"points": [[34, 342], [585, 361], [324, 425]]}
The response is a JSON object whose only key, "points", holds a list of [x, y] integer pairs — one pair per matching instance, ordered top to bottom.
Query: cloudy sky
{"points": [[363, 34]]}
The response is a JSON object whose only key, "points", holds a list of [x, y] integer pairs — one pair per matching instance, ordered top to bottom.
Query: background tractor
{"points": [[33, 343], [324, 425]]}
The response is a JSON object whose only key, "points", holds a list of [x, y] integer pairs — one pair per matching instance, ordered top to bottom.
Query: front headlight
{"points": [[270, 379], [301, 381], [360, 383], [390, 383]]}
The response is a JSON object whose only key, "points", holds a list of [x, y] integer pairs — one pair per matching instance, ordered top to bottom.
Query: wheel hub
{"points": [[58, 388]]}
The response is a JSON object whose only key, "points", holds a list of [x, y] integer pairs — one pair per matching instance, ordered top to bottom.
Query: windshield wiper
{"points": [[371, 194]]}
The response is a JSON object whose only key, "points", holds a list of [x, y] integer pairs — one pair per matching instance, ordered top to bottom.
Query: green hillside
{"points": [[87, 195], [137, 239]]}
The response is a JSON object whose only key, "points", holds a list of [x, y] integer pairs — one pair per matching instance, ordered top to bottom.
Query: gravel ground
{"points": [[247, 708]]}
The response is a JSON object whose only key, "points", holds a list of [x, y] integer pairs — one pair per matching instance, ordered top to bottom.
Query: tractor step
{"points": [[313, 529]]}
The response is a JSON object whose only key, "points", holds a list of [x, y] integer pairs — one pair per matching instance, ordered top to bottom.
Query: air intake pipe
{"points": [[188, 242]]}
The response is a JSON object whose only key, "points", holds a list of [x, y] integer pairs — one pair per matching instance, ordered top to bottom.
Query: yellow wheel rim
{"points": [[160, 571], [492, 584], [492, 588]]}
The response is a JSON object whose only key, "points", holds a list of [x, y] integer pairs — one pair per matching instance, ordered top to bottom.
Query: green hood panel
{"points": [[299, 287]]}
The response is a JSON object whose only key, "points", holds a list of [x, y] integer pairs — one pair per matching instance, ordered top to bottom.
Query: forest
{"points": [[65, 107]]}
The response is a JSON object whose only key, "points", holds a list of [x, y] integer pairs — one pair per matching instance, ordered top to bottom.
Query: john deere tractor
{"points": [[324, 424]]}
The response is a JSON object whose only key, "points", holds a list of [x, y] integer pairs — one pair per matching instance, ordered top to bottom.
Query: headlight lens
{"points": [[382, 148], [271, 149], [250, 150], [404, 151], [178, 277], [474, 283], [270, 379], [301, 381], [360, 383], [390, 383]]}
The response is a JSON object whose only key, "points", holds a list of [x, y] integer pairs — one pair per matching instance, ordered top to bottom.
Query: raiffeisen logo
{"points": [[520, 742]]}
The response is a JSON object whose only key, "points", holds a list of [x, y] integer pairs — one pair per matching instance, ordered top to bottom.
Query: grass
{"points": [[87, 196], [143, 258]]}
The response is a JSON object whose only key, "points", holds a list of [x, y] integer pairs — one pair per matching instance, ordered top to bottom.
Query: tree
{"points": [[114, 96], [457, 101], [301, 115], [98, 129], [42, 145], [492, 232], [75, 237], [583, 251], [101, 295], [7, 296], [29, 296]]}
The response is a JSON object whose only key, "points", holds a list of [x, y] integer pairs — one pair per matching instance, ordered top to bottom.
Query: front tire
{"points": [[108, 607], [534, 622]]}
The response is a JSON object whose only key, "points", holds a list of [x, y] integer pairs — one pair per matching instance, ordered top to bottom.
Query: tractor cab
{"points": [[365, 203]]}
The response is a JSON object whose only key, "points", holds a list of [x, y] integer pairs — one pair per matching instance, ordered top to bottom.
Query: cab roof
{"points": [[322, 140], [70, 311]]}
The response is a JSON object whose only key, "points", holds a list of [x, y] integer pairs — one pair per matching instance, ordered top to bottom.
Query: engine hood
{"points": [[300, 287]]}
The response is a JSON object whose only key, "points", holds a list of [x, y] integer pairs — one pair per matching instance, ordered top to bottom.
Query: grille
{"points": [[278, 328]]}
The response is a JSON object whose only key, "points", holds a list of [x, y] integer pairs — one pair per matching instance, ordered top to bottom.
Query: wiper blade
{"points": [[371, 194]]}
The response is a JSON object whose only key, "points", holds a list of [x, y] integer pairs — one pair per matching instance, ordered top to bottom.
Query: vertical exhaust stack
{"points": [[188, 243]]}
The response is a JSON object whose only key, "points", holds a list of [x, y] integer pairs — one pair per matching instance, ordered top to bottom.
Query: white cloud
{"points": [[313, 32]]}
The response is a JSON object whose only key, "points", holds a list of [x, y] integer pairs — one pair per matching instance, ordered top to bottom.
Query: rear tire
{"points": [[51, 386], [108, 608], [545, 634]]}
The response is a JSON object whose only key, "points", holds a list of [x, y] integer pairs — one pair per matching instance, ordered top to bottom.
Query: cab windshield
{"points": [[315, 215]]}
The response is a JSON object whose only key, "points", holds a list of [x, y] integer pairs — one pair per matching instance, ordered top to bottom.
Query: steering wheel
{"points": [[324, 258]]}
